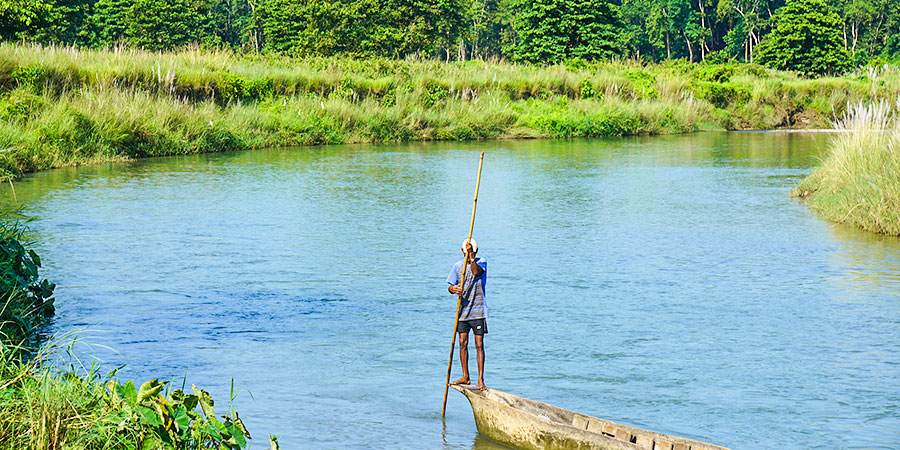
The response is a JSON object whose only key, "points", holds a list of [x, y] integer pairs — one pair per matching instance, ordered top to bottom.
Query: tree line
{"points": [[851, 32]]}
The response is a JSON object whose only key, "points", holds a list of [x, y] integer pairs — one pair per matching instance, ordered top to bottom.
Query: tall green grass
{"points": [[63, 106], [859, 181]]}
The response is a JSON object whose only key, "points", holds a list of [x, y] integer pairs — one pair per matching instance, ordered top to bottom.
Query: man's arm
{"points": [[471, 261], [453, 281]]}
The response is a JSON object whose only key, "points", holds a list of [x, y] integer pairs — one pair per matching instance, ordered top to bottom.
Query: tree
{"points": [[17, 16], [63, 22], [229, 22], [166, 24], [107, 25], [313, 27], [392, 28], [551, 31], [806, 38]]}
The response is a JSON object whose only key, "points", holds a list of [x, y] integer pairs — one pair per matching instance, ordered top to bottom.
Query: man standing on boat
{"points": [[472, 309]]}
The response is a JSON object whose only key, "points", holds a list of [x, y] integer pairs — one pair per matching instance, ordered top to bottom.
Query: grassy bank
{"points": [[64, 106], [859, 181], [47, 403]]}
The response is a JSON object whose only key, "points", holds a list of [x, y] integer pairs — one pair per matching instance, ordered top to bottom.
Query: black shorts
{"points": [[478, 326]]}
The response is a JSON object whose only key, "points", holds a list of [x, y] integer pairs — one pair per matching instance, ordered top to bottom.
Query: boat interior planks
{"points": [[533, 425]]}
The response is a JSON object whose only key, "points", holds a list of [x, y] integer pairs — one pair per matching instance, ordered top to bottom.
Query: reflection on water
{"points": [[667, 283]]}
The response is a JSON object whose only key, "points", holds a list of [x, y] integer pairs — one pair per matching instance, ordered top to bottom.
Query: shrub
{"points": [[714, 73], [30, 77], [232, 88], [586, 89], [433, 93], [722, 95], [20, 104], [26, 301]]}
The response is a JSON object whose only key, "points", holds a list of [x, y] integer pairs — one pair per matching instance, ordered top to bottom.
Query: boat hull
{"points": [[532, 425]]}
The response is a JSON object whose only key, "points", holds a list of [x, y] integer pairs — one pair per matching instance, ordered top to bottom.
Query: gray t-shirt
{"points": [[473, 305]]}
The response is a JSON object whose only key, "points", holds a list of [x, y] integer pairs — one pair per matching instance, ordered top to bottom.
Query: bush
{"points": [[714, 73], [30, 77], [232, 88], [586, 89], [722, 95], [20, 104], [26, 301]]}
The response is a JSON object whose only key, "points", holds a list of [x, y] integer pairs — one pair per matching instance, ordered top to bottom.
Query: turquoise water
{"points": [[668, 283]]}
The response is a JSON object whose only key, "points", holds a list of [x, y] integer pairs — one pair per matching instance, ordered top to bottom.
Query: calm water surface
{"points": [[667, 283]]}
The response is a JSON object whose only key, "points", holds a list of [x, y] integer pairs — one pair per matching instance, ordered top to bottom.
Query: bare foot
{"points": [[461, 380], [481, 386]]}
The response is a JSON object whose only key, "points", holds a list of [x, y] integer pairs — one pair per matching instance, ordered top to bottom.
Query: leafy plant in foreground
{"points": [[26, 301], [172, 421]]}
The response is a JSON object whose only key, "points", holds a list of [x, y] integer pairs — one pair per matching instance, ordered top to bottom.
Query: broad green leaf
{"points": [[35, 257], [149, 390], [129, 394], [176, 397], [190, 402], [206, 402], [148, 416], [181, 419], [237, 435]]}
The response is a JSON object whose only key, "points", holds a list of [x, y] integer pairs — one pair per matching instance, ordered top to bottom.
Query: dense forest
{"points": [[852, 32]]}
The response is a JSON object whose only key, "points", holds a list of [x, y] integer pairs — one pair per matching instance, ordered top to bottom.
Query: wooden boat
{"points": [[532, 425]]}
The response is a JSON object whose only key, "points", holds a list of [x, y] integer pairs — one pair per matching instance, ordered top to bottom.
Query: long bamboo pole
{"points": [[462, 284]]}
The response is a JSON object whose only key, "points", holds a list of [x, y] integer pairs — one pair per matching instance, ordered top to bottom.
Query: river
{"points": [[667, 283]]}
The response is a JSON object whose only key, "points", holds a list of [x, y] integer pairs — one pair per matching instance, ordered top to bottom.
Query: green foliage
{"points": [[18, 16], [63, 22], [164, 24], [108, 25], [392, 28], [552, 31], [807, 39], [714, 73], [29, 77], [643, 82], [233, 88], [586, 89], [433, 93], [723, 95], [20, 104], [26, 301], [65, 408], [173, 421]]}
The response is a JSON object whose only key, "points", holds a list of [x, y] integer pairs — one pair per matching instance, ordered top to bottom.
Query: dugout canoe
{"points": [[533, 425]]}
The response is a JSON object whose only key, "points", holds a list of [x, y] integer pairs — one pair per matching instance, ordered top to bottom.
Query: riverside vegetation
{"points": [[63, 106], [859, 181], [45, 404]]}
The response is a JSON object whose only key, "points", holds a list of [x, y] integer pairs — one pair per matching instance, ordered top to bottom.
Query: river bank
{"points": [[65, 106], [859, 180]]}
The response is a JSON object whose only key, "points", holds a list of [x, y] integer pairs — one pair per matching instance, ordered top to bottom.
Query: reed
{"points": [[859, 181]]}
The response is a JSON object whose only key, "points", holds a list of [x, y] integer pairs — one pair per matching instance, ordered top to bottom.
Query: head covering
{"points": [[474, 244]]}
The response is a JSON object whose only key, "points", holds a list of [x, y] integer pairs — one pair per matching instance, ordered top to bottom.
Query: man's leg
{"points": [[479, 349], [463, 358]]}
